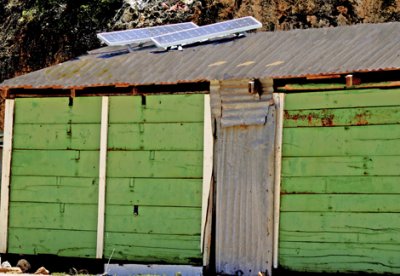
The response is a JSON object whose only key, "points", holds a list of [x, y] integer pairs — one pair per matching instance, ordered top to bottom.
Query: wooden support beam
{"points": [[323, 77], [135, 91], [5, 93], [73, 93], [279, 99], [207, 175], [5, 176], [102, 178], [207, 233]]}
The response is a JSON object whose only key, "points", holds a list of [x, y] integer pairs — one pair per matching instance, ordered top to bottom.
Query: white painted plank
{"points": [[279, 99], [207, 166], [5, 176], [102, 178], [208, 229]]}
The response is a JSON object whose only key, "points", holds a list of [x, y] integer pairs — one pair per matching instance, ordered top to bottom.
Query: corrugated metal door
{"points": [[244, 174], [154, 178], [340, 181], [53, 197]]}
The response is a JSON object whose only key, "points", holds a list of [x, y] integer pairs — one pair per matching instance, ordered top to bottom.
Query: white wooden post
{"points": [[279, 100], [208, 147], [6, 171], [102, 178]]}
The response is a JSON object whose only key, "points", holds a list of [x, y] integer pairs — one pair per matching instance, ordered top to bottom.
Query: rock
{"points": [[341, 20], [5, 265], [24, 265], [42, 271], [73, 271]]}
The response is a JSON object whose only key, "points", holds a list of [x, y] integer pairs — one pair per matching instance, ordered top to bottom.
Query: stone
{"points": [[24, 265], [42, 271]]}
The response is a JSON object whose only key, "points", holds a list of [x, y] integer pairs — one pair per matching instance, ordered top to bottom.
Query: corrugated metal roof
{"points": [[282, 54]]}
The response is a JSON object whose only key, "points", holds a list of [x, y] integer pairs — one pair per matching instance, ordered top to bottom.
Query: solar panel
{"points": [[206, 32], [142, 34]]}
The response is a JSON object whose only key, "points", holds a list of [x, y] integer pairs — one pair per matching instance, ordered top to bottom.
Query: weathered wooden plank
{"points": [[343, 99], [279, 100], [157, 108], [58, 110], [342, 116], [57, 136], [121, 136], [156, 136], [342, 141], [55, 163], [171, 164], [341, 166], [6, 173], [102, 178], [342, 185], [54, 189], [154, 191], [340, 203], [206, 207], [53, 216], [153, 219], [340, 222], [343, 236], [388, 236], [184, 242], [65, 243], [154, 248], [155, 255], [340, 257]]}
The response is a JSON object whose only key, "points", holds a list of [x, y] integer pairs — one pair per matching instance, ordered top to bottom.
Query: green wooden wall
{"points": [[155, 161], [54, 177], [154, 177], [340, 201]]}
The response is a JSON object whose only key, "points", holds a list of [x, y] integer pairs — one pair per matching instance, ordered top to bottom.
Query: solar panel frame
{"points": [[206, 32], [142, 35]]}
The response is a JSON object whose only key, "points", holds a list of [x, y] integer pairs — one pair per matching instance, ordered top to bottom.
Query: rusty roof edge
{"points": [[336, 73], [4, 85], [94, 85], [336, 86]]}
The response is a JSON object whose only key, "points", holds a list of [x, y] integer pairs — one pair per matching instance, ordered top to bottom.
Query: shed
{"points": [[274, 149]]}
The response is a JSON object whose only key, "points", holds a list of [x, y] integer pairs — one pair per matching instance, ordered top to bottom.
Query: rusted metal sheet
{"points": [[282, 54], [244, 170]]}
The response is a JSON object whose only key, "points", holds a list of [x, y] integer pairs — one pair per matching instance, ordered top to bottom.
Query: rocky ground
{"points": [[39, 33], [21, 268]]}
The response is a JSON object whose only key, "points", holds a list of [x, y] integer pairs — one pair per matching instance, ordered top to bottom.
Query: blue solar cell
{"points": [[206, 32], [143, 34]]}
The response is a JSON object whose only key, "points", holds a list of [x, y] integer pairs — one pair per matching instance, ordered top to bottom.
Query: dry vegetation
{"points": [[293, 14]]}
